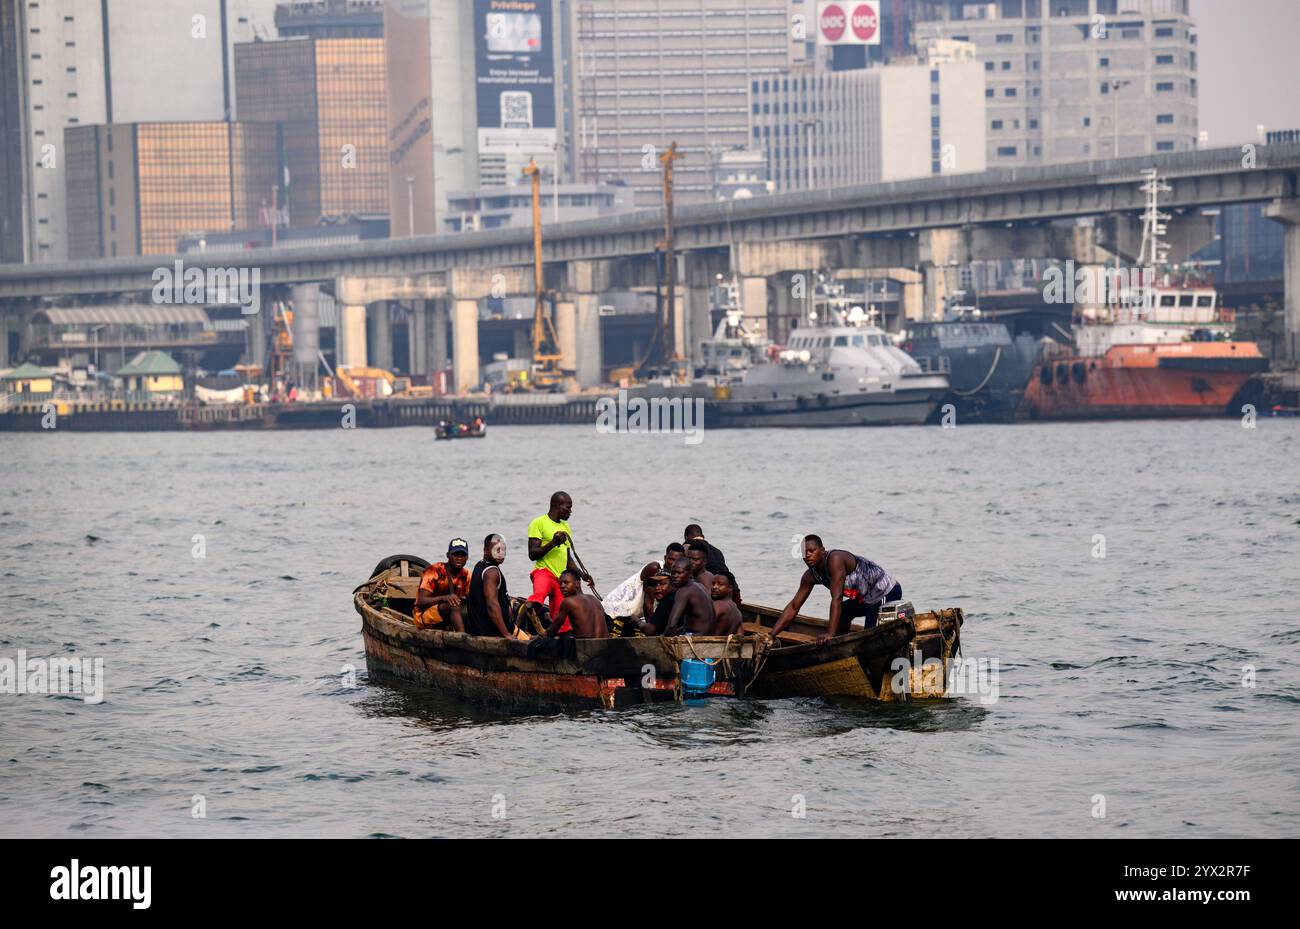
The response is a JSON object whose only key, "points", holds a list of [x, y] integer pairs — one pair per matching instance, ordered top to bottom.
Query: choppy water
{"points": [[1119, 676]]}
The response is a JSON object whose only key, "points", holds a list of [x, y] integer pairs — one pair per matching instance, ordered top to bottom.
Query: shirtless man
{"points": [[698, 555], [858, 587], [692, 609], [582, 610], [727, 616]]}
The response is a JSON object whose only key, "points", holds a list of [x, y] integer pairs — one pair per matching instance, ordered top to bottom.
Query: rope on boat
{"points": [[997, 356]]}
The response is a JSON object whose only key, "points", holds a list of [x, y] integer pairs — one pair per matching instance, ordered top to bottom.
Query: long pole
{"points": [[808, 139], [410, 205], [670, 255]]}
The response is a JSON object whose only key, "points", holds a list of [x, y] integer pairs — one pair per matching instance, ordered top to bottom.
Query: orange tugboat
{"points": [[1161, 349]]}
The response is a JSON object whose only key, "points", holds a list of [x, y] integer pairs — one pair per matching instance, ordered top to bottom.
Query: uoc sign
{"points": [[848, 22]]}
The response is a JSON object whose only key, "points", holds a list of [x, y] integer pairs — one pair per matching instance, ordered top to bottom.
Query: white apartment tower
{"points": [[82, 63], [646, 73], [1071, 80]]}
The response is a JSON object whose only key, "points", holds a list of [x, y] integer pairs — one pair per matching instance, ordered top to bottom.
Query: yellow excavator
{"points": [[546, 373]]}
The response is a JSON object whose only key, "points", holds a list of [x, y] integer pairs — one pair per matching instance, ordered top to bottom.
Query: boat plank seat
{"points": [[797, 638]]}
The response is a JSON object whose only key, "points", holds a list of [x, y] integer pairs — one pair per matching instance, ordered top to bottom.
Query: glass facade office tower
{"points": [[136, 188]]}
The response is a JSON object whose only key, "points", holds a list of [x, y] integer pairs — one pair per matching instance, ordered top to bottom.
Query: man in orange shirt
{"points": [[443, 587]]}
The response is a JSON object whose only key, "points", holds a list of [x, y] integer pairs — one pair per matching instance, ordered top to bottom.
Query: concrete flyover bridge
{"points": [[909, 230]]}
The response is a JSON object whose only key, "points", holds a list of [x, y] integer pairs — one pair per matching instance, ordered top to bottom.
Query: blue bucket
{"points": [[697, 676]]}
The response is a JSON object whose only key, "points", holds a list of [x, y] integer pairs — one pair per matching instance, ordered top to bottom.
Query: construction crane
{"points": [[662, 353], [546, 371]]}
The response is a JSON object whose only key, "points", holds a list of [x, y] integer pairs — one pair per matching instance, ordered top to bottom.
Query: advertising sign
{"points": [[848, 22], [515, 74]]}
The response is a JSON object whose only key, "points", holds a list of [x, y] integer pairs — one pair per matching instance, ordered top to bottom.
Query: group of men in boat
{"points": [[691, 592]]}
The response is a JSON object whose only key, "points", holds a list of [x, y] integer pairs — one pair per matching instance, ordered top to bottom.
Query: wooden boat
{"points": [[452, 431], [860, 663], [626, 671], [500, 672]]}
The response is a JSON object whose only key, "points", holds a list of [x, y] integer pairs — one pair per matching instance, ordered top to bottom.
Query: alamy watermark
{"points": [[1096, 284], [241, 287], [651, 416], [83, 677], [976, 677]]}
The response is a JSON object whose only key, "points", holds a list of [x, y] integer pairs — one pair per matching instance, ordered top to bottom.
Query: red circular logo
{"points": [[833, 22], [864, 22]]}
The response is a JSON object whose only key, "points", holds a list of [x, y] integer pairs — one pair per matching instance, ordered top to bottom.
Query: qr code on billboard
{"points": [[516, 110]]}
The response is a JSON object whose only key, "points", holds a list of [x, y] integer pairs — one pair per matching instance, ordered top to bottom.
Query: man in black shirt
{"points": [[715, 563], [664, 593], [488, 608]]}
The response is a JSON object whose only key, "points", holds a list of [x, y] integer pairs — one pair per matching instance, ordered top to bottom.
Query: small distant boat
{"points": [[460, 431], [616, 672]]}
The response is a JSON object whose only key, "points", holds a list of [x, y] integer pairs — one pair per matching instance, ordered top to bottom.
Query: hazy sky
{"points": [[1249, 67]]}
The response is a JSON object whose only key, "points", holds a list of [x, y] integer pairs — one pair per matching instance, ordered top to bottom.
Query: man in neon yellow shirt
{"points": [[551, 549]]}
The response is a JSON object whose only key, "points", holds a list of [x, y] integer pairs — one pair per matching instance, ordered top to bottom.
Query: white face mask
{"points": [[498, 550]]}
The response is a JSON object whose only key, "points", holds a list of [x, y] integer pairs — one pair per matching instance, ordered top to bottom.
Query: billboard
{"points": [[848, 22], [515, 75]]}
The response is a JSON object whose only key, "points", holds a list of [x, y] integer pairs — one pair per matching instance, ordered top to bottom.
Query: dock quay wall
{"points": [[389, 412]]}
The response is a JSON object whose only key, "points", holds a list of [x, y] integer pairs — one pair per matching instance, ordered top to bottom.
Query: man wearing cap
{"points": [[443, 588]]}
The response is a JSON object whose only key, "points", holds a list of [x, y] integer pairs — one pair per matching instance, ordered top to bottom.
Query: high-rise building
{"points": [[330, 19], [115, 61], [647, 73], [1069, 80], [472, 96], [328, 97], [910, 119], [13, 132], [137, 188]]}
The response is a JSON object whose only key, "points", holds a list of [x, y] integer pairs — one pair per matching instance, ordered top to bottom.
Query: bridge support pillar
{"points": [[1287, 212], [583, 284], [913, 295], [753, 304], [439, 320], [566, 332], [257, 335], [381, 338], [417, 338], [587, 339], [4, 341], [350, 341], [465, 344]]}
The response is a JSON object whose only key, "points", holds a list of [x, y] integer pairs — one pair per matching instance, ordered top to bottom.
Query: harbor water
{"points": [[1135, 584]]}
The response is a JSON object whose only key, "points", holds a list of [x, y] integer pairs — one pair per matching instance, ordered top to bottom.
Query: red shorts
{"points": [[546, 589]]}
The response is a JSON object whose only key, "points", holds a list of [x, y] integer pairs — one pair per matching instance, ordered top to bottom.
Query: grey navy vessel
{"points": [[987, 369], [847, 374]]}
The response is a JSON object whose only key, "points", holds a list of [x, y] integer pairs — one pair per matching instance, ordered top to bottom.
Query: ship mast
{"points": [[1155, 252]]}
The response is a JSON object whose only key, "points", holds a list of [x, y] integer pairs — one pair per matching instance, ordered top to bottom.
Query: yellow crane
{"points": [[546, 371]]}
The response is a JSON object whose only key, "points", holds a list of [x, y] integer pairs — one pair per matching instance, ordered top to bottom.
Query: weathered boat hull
{"points": [[859, 664], [499, 672], [623, 672]]}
